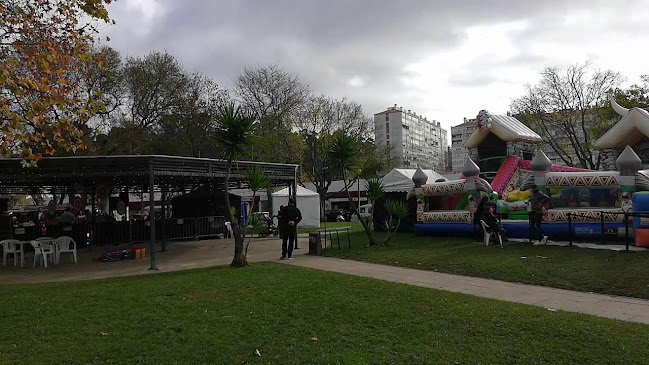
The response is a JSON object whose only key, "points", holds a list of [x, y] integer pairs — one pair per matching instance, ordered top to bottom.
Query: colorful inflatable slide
{"points": [[593, 201]]}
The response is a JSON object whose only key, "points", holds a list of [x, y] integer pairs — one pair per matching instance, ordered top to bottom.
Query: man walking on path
{"points": [[538, 200], [291, 216]]}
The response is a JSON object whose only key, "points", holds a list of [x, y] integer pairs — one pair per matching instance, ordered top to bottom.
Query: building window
{"points": [[387, 117], [387, 127], [387, 136], [387, 143]]}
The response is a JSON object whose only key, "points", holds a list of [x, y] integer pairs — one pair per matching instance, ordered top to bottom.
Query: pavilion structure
{"points": [[100, 175]]}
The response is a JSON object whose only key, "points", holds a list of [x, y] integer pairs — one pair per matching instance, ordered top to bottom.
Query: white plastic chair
{"points": [[228, 225], [488, 233], [48, 241], [66, 244], [12, 246], [43, 250]]}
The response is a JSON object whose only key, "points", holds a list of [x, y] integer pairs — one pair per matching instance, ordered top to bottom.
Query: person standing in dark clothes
{"points": [[538, 200], [479, 210], [291, 216], [477, 216], [280, 222]]}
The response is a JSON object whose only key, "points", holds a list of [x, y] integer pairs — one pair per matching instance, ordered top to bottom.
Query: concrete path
{"points": [[180, 256], [608, 306]]}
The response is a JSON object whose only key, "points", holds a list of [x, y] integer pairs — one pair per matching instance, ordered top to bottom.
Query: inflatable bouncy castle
{"points": [[505, 162]]}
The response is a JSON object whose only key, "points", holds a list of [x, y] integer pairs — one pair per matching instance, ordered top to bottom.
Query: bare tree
{"points": [[104, 82], [152, 83], [272, 93], [562, 109], [194, 118], [318, 119]]}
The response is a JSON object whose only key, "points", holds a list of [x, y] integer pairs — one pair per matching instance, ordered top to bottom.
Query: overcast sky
{"points": [[443, 59]]}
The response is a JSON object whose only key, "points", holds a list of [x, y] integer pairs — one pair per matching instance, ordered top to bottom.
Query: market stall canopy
{"points": [[507, 128]]}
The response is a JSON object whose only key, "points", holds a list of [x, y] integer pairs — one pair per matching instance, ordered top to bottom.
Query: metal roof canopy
{"points": [[84, 172], [81, 174]]}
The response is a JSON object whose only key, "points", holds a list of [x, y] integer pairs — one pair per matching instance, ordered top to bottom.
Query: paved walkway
{"points": [[180, 256], [627, 309]]}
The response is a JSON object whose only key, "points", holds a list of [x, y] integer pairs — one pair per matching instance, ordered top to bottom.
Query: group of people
{"points": [[486, 211], [287, 219]]}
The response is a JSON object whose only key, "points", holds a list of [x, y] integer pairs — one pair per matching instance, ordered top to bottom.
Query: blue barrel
{"points": [[640, 204]]}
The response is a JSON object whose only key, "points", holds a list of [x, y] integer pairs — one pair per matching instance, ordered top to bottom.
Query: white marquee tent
{"points": [[307, 201]]}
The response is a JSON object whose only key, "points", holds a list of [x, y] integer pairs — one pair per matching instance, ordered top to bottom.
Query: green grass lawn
{"points": [[355, 227], [588, 270], [293, 316]]}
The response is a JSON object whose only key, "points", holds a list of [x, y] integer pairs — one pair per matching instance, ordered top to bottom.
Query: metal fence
{"points": [[605, 234]]}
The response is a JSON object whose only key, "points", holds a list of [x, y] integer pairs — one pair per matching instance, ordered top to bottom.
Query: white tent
{"points": [[400, 180], [307, 201]]}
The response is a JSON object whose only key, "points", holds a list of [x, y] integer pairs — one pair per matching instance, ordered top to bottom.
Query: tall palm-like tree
{"points": [[234, 134], [344, 156], [257, 180], [374, 191]]}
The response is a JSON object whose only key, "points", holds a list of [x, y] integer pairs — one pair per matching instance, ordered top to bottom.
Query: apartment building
{"points": [[459, 134], [415, 141]]}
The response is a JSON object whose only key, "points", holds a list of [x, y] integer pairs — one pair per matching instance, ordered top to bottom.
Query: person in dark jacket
{"points": [[538, 200], [491, 204], [291, 216], [477, 216], [490, 219], [280, 223]]}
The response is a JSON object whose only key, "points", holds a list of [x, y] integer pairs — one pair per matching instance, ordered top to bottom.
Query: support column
{"points": [[358, 192], [93, 196], [295, 200], [152, 215], [128, 218], [164, 220]]}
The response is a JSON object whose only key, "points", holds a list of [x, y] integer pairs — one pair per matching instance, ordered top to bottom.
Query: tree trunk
{"points": [[323, 195], [368, 230], [390, 234], [239, 259]]}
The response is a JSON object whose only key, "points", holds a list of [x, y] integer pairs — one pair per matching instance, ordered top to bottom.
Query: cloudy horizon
{"points": [[443, 60]]}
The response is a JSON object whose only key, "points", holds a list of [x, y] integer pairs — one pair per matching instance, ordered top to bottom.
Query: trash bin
{"points": [[315, 245]]}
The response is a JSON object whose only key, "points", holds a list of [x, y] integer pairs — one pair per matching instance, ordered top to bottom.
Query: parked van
{"points": [[364, 210]]}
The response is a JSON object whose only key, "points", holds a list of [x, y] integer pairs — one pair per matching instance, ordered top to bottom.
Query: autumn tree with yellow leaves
{"points": [[43, 43]]}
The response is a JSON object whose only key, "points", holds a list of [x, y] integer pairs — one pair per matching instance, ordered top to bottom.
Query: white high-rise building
{"points": [[459, 135], [415, 141]]}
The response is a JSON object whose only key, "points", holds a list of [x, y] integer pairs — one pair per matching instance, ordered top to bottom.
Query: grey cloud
{"points": [[329, 42], [472, 79]]}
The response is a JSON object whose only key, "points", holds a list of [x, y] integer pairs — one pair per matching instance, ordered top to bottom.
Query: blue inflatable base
{"points": [[520, 229]]}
